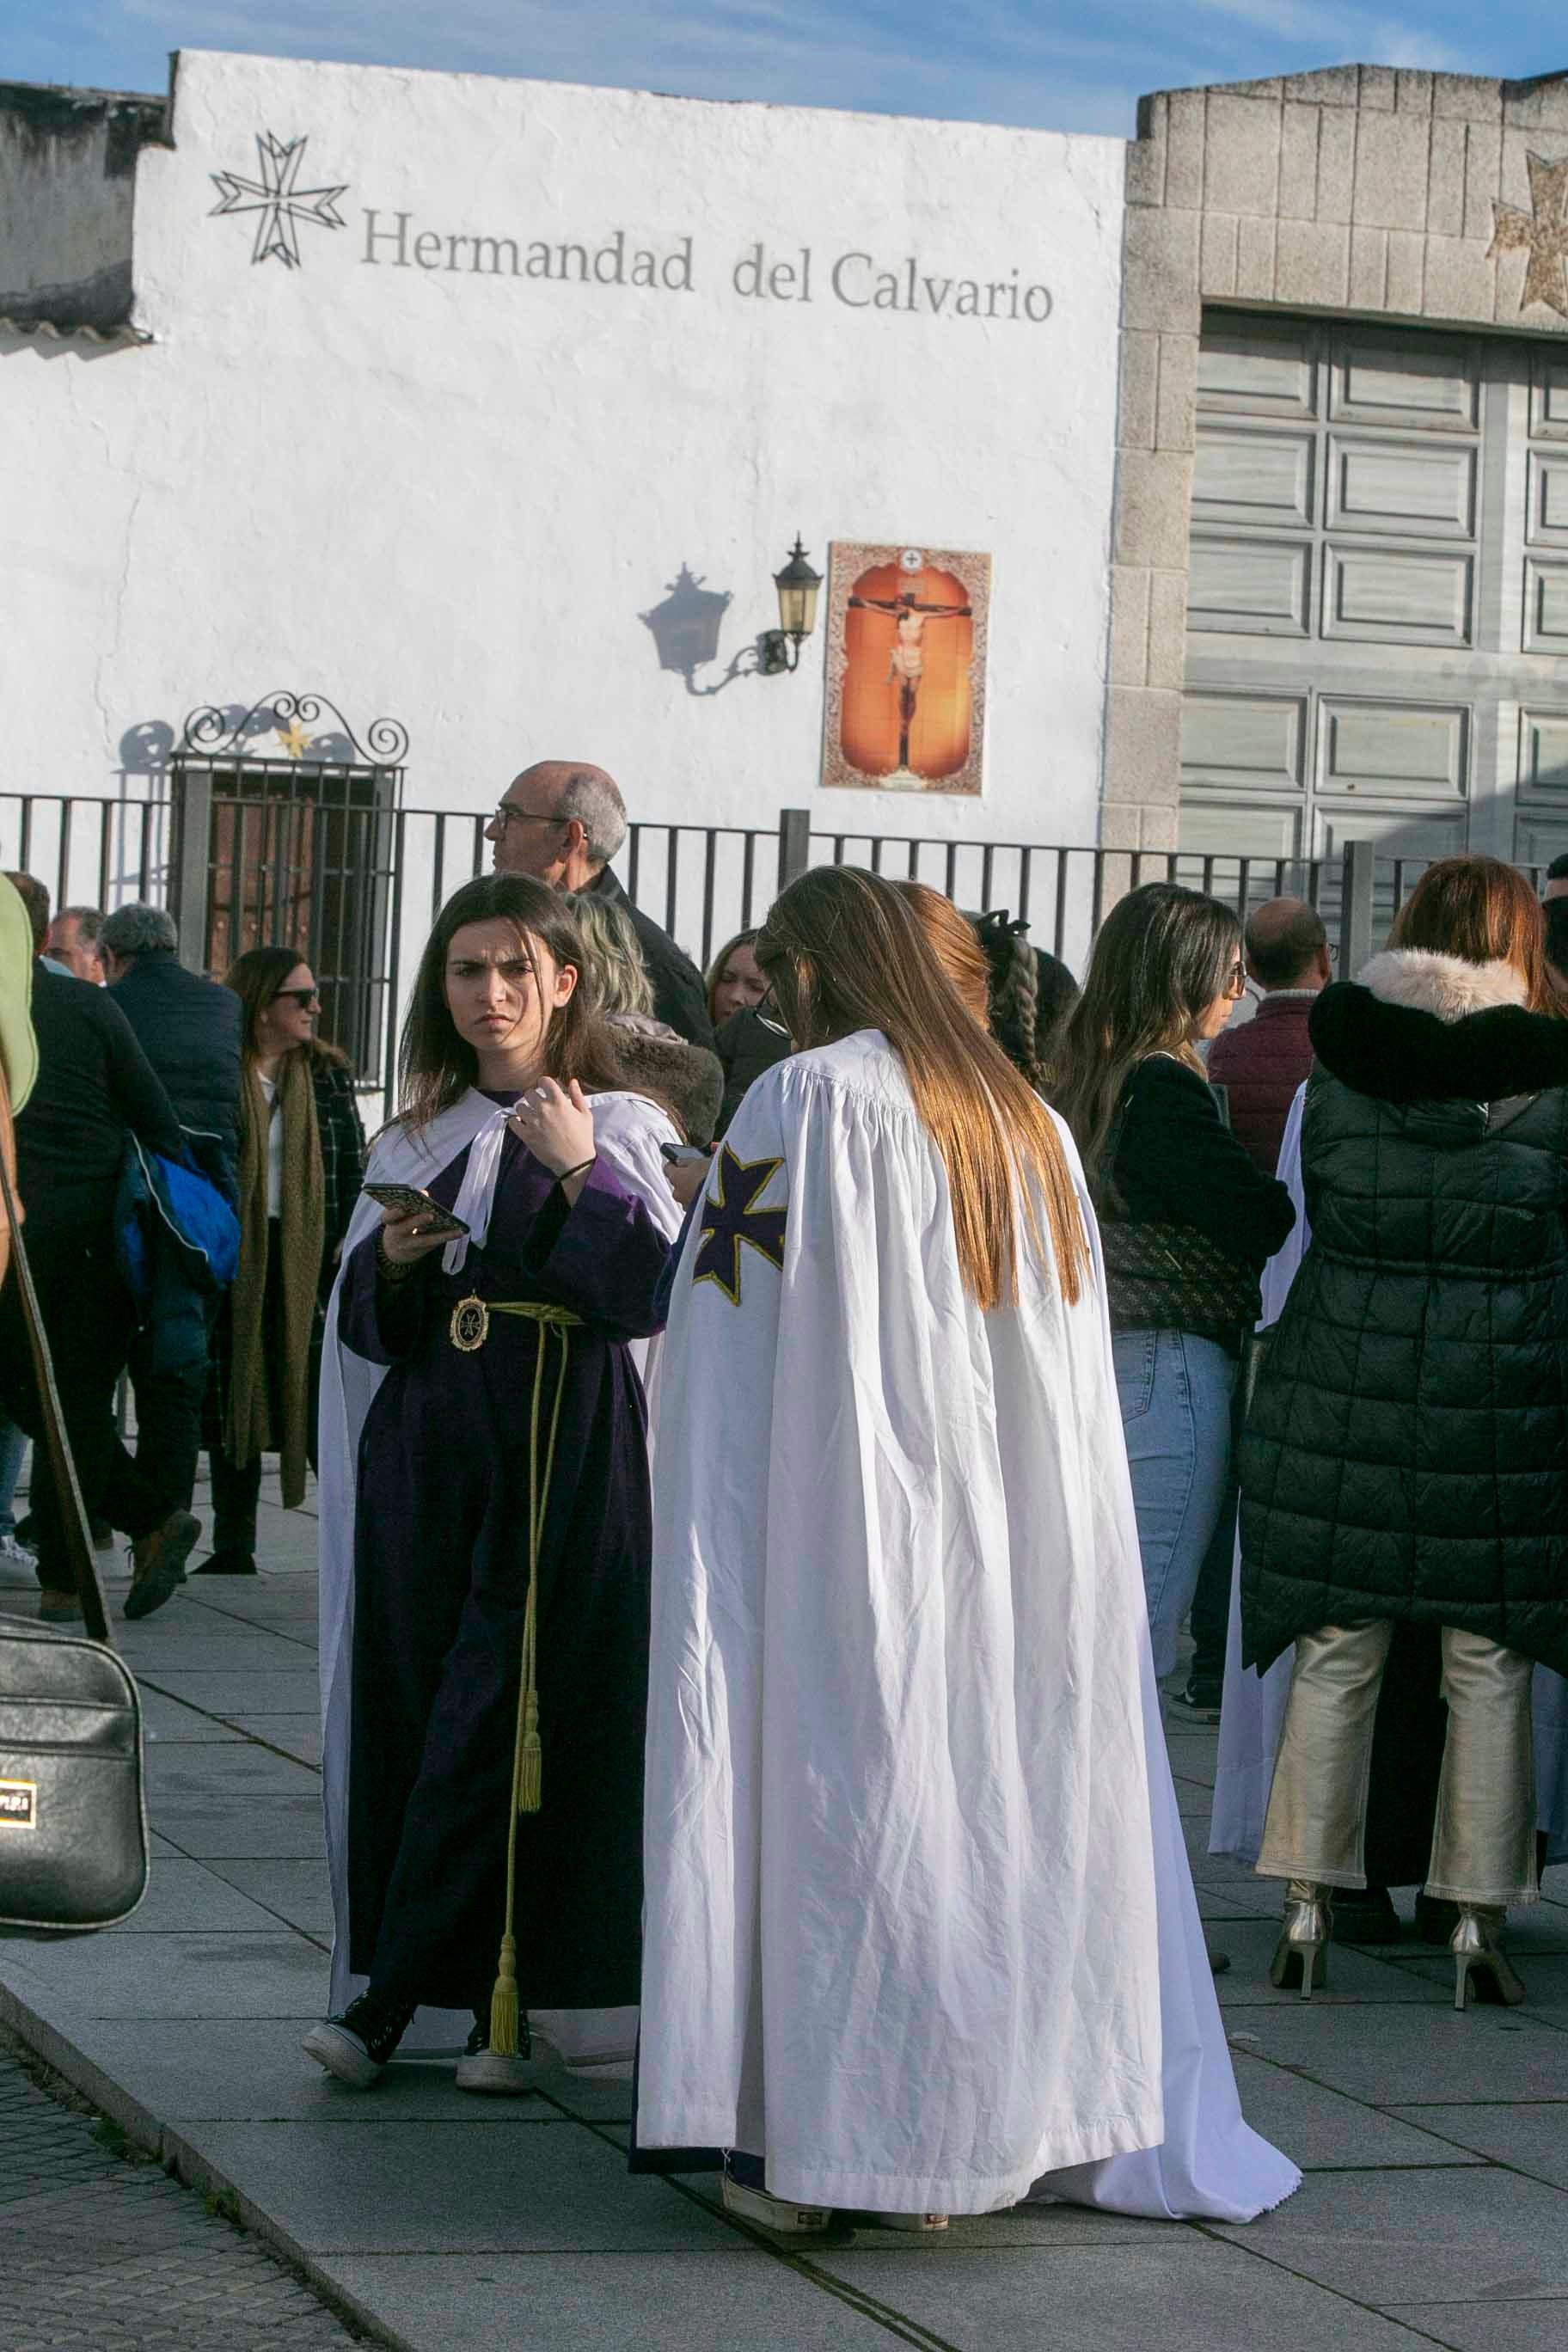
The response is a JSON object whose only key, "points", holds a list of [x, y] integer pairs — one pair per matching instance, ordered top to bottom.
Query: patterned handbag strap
{"points": [[68, 1488]]}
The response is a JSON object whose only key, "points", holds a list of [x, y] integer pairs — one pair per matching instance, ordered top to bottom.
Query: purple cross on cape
{"points": [[731, 1216]]}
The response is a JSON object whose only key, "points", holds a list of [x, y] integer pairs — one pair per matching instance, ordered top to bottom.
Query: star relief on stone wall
{"points": [[279, 199], [1542, 232]]}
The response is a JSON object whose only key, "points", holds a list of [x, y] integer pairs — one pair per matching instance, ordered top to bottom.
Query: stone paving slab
{"points": [[234, 1692], [164, 1718], [299, 1735], [285, 1828], [299, 1891], [184, 1898], [274, 1974], [1399, 2056], [1324, 2129], [1533, 2137], [496, 2182], [1463, 2236], [1181, 2294], [744, 2302], [1487, 2328]]}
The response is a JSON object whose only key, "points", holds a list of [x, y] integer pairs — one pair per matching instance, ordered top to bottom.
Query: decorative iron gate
{"points": [[292, 846]]}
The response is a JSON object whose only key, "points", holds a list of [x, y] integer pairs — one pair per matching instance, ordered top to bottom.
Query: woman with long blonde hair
{"points": [[901, 1933]]}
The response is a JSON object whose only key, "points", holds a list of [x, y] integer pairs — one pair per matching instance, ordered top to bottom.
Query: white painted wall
{"points": [[449, 496]]}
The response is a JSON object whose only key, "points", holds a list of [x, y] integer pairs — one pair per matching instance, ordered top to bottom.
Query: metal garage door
{"points": [[1378, 615]]}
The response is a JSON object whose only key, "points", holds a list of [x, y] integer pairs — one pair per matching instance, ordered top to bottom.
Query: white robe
{"points": [[627, 1133], [1252, 1709], [900, 1913]]}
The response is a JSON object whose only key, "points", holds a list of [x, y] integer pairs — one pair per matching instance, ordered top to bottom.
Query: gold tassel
{"points": [[526, 1757], [531, 1772], [504, 2015]]}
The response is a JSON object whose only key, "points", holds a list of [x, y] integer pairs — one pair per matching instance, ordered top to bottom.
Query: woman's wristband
{"points": [[582, 1166], [387, 1269]]}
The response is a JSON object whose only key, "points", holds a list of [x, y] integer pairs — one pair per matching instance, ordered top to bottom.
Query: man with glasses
{"points": [[563, 821], [189, 1029]]}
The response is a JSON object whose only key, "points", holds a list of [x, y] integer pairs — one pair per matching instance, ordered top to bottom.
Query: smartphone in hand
{"points": [[406, 1198]]}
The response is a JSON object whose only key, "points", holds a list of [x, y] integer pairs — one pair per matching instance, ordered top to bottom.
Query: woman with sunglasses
{"points": [[302, 1162], [1187, 1220]]}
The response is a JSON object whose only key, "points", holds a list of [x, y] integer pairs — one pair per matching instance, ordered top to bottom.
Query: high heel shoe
{"points": [[1478, 1955], [1300, 1956]]}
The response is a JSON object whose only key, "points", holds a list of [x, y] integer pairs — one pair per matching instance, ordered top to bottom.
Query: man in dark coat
{"points": [[563, 821], [189, 1029], [1261, 1064], [95, 1090]]}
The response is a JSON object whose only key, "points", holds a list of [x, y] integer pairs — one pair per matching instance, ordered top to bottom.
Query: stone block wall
{"points": [[1367, 190]]}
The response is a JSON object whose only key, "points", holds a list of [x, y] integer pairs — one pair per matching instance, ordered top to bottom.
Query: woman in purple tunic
{"points": [[502, 1519]]}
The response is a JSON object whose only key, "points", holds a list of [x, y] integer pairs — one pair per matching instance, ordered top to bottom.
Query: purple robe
{"points": [[440, 1582]]}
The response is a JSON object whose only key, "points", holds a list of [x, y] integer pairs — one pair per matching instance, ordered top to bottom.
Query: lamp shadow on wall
{"points": [[685, 628]]}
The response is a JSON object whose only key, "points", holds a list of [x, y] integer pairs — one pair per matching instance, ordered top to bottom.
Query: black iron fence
{"points": [[331, 867]]}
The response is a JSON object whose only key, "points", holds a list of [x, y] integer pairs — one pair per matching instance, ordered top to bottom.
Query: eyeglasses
{"points": [[504, 815], [1238, 978], [303, 997], [767, 1010]]}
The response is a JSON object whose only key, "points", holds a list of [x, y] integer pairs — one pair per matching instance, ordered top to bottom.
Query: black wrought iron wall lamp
{"points": [[798, 586]]}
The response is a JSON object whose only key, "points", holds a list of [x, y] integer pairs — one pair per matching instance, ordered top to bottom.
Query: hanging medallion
{"points": [[470, 1324]]}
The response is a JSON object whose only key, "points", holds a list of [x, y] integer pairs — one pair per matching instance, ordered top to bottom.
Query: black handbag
{"points": [[1162, 1275], [73, 1812]]}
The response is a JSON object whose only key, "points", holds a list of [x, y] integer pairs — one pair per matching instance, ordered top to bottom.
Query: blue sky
{"points": [[1043, 62]]}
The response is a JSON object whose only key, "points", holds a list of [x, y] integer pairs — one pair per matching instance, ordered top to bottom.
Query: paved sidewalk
{"points": [[1435, 2210], [104, 2251]]}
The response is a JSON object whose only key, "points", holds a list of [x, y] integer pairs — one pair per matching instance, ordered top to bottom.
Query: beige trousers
{"points": [[1483, 1841]]}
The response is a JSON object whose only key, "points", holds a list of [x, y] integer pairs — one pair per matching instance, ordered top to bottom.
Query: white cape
{"points": [[627, 1133], [1253, 1705], [903, 1737]]}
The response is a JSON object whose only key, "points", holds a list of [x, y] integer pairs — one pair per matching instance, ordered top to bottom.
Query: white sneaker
{"points": [[18, 1565], [500, 2073], [785, 2219], [922, 2221]]}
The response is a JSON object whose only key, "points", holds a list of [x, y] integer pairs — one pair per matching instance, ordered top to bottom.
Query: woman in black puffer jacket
{"points": [[1406, 1452]]}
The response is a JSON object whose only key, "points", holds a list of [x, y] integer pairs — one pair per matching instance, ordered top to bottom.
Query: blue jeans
{"points": [[1174, 1391], [13, 1446]]}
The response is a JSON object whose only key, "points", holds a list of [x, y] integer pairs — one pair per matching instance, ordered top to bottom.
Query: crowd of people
{"points": [[773, 1429]]}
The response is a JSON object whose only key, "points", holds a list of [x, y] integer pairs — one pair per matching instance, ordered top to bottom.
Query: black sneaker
{"points": [[227, 1561], [158, 1563], [1202, 1695], [1364, 1914], [1436, 1917], [356, 2045], [503, 2075]]}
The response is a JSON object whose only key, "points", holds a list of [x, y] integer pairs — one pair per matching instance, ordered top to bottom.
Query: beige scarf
{"points": [[248, 1428]]}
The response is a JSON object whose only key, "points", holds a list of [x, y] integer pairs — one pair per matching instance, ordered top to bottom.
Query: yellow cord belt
{"points": [[469, 1331]]}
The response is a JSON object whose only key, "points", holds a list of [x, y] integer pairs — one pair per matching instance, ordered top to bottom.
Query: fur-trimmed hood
{"points": [[1446, 985], [688, 1079]]}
